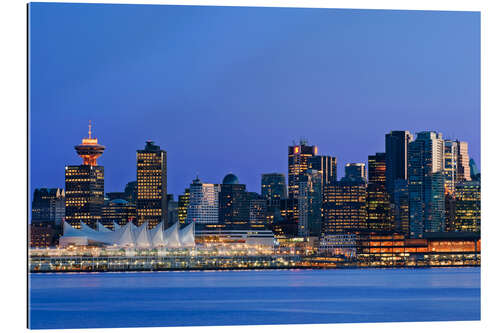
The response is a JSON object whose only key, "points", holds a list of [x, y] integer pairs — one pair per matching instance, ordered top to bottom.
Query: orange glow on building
{"points": [[89, 150]]}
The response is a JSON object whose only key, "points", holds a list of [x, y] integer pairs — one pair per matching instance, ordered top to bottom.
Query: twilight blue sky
{"points": [[227, 89]]}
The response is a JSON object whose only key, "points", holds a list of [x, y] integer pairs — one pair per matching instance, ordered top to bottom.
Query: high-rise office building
{"points": [[396, 150], [299, 160], [327, 165], [450, 166], [463, 168], [474, 170], [355, 172], [426, 184], [84, 185], [151, 185], [273, 187], [131, 192], [309, 202], [401, 202], [48, 206], [182, 206], [468, 206], [234, 207], [344, 207], [203, 208], [172, 210], [118, 211], [257, 211], [379, 217]]}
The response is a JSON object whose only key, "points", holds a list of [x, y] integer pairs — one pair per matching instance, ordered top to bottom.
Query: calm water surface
{"points": [[90, 300]]}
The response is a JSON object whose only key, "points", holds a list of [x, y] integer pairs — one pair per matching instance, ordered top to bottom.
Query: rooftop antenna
{"points": [[90, 129]]}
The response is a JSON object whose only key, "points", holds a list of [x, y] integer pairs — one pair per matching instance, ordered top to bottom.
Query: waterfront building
{"points": [[396, 150], [299, 160], [327, 165], [463, 168], [355, 172], [426, 184], [84, 185], [151, 185], [309, 203], [48, 205], [182, 206], [234, 206], [468, 206], [344, 207], [203, 208], [117, 211], [379, 217], [285, 225], [43, 234]]}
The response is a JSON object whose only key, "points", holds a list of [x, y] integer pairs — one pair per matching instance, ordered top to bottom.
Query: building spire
{"points": [[90, 129]]}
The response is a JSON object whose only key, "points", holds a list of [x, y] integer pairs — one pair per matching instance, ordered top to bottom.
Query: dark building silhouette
{"points": [[396, 150], [327, 165], [355, 172], [151, 185], [309, 203], [48, 205], [182, 206], [234, 207], [118, 211]]}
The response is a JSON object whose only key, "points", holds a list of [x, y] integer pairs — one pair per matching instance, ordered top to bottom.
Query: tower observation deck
{"points": [[89, 150]]}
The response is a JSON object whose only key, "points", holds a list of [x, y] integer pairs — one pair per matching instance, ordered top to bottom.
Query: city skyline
{"points": [[341, 90]]}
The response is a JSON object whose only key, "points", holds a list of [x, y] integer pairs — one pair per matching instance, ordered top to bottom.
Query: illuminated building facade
{"points": [[396, 150], [299, 160], [450, 166], [355, 172], [426, 184], [84, 185], [151, 185], [309, 203], [48, 205], [182, 206], [234, 206], [468, 206], [344, 207], [203, 208], [118, 211], [379, 216], [42, 235]]}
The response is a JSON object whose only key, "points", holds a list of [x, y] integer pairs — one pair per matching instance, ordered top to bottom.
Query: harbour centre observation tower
{"points": [[89, 150]]}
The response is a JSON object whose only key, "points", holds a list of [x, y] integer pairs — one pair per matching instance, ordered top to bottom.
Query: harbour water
{"points": [[194, 298]]}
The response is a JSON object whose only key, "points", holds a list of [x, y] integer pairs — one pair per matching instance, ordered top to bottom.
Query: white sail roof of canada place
{"points": [[129, 235]]}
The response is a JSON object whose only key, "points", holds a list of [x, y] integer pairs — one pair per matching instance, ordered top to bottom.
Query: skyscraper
{"points": [[396, 150], [299, 160], [327, 165], [450, 166], [463, 168], [355, 171], [426, 184], [84, 185], [151, 185], [273, 187], [310, 201], [183, 203], [48, 206], [234, 206], [468, 206], [344, 207], [401, 207], [203, 208], [117, 211], [257, 211], [379, 216]]}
